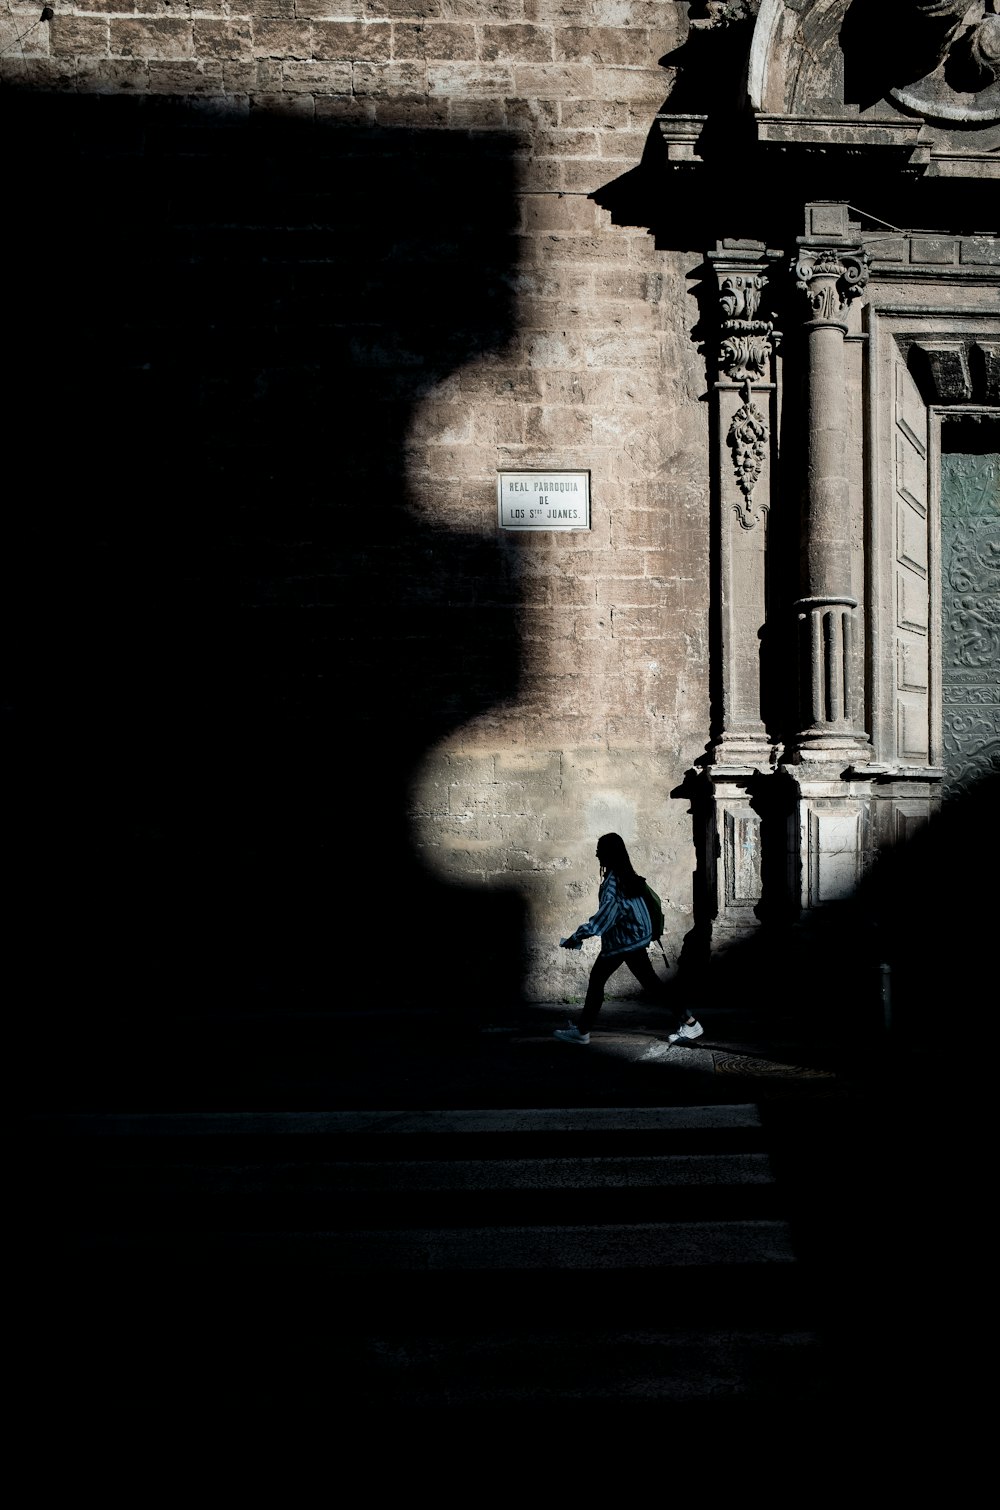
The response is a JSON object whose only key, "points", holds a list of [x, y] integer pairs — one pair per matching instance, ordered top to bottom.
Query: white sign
{"points": [[543, 500]]}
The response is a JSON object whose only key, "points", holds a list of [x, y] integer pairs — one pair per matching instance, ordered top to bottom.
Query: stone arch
{"points": [[795, 66]]}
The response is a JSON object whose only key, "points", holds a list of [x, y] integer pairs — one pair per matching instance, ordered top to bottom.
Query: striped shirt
{"points": [[623, 923]]}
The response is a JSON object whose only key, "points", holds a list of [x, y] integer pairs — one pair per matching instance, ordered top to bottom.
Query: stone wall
{"points": [[400, 287]]}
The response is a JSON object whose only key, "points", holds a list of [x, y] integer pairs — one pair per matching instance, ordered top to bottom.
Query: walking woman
{"points": [[623, 922]]}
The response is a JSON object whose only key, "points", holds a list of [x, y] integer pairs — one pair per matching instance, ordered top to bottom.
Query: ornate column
{"points": [[831, 686], [828, 829]]}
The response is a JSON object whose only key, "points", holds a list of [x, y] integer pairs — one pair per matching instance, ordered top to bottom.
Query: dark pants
{"points": [[638, 962]]}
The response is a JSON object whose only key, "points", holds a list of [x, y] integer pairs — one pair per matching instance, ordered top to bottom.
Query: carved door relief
{"points": [[970, 617]]}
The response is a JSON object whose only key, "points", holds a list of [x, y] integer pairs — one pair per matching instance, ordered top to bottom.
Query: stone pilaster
{"points": [[744, 427]]}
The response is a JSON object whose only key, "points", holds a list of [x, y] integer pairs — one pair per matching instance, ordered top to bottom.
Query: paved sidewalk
{"points": [[378, 1056]]}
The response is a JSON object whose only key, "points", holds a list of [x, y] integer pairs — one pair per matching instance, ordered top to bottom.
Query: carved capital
{"points": [[830, 277], [745, 343]]}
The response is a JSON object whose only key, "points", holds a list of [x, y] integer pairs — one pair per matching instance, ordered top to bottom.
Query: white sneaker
{"points": [[686, 1032], [571, 1034]]}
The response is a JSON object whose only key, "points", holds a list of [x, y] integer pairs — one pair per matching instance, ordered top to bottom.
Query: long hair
{"points": [[612, 855]]}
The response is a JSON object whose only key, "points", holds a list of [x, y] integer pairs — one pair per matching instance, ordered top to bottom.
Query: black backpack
{"points": [[655, 909]]}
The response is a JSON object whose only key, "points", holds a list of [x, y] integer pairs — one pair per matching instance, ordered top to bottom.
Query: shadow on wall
{"points": [[242, 640]]}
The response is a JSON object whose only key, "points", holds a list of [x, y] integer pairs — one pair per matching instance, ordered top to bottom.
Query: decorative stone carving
{"points": [[722, 13], [959, 43], [830, 278], [739, 296], [746, 342], [746, 353], [747, 439], [970, 620]]}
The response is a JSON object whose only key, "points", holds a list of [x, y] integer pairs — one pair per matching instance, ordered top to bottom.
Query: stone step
{"points": [[434, 1177], [610, 1245], [493, 1257], [599, 1364]]}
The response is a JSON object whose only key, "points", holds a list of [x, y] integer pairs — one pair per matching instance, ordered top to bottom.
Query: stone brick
{"points": [[258, 9], [206, 10], [327, 10], [407, 10], [482, 11], [21, 35], [72, 35], [148, 39], [223, 39], [282, 39], [438, 40], [352, 41], [516, 44], [603, 44], [46, 73], [268, 75], [107, 76], [190, 76], [317, 78], [479, 79], [388, 80], [554, 81], [630, 84], [295, 106], [345, 107], [412, 112], [594, 114], [477, 115], [566, 143], [622, 144], [540, 173], [586, 173], [559, 212], [580, 249], [891, 249], [933, 249], [981, 250], [552, 281], [629, 284], [548, 314], [622, 314], [553, 350], [516, 384], [595, 389], [439, 424], [557, 426], [636, 592], [629, 730], [476, 858]]}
